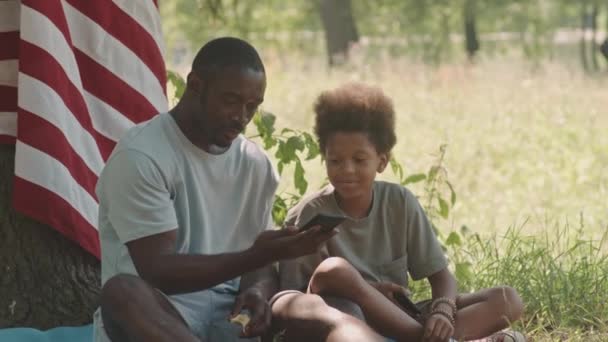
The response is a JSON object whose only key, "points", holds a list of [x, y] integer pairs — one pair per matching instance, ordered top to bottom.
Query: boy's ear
{"points": [[384, 158]]}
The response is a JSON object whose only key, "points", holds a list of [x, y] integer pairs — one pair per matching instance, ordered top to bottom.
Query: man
{"points": [[185, 205]]}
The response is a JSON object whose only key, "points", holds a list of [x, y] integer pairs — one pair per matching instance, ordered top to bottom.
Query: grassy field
{"points": [[522, 145], [527, 153]]}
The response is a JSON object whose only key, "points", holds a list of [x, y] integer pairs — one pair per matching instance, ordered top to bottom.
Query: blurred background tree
{"points": [[434, 31]]}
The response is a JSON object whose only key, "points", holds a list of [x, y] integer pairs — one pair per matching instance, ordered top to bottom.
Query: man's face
{"points": [[228, 102]]}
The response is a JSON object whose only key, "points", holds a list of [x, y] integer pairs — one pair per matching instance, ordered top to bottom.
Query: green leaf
{"points": [[178, 82], [264, 123], [296, 143], [311, 144], [286, 152], [280, 167], [397, 168], [433, 172], [298, 178], [415, 178], [452, 193], [444, 209], [279, 210], [453, 239], [463, 272]]}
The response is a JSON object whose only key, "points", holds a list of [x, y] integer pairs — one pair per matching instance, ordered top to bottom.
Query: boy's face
{"points": [[352, 163]]}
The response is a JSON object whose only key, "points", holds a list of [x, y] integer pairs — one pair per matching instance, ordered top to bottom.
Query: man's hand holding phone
{"points": [[293, 242]]}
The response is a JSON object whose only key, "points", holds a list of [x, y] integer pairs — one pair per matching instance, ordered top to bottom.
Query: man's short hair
{"points": [[226, 52], [358, 108]]}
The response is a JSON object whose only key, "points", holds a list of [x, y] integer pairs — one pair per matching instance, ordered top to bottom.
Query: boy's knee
{"points": [[334, 271], [510, 300]]}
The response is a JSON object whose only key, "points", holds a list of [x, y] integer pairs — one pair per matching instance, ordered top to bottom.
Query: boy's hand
{"points": [[289, 243], [389, 289], [253, 300], [437, 329]]}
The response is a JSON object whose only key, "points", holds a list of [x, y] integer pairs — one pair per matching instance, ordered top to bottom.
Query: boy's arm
{"points": [[443, 284]]}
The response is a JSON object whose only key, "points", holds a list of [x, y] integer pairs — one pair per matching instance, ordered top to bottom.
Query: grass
{"points": [[521, 144], [527, 153]]}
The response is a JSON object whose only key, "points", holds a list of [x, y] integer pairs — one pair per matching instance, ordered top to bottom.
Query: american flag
{"points": [[74, 75]]}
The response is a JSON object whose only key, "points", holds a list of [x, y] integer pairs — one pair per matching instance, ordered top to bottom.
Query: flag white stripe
{"points": [[145, 14], [9, 15], [42, 32], [95, 42], [9, 68], [40, 99], [106, 120], [8, 123], [52, 175]]}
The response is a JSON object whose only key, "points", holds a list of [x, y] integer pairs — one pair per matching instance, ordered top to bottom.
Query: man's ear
{"points": [[194, 82], [384, 158]]}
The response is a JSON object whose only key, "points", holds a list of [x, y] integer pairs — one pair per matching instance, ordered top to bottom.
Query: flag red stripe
{"points": [[53, 10], [128, 31], [9, 45], [40, 64], [109, 88], [8, 99], [40, 134], [7, 140], [47, 207]]}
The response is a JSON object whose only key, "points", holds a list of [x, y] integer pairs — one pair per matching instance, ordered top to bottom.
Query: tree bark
{"points": [[593, 23], [340, 29], [470, 29], [46, 280]]}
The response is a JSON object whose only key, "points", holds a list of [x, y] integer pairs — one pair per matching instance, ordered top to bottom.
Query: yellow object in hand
{"points": [[242, 319]]}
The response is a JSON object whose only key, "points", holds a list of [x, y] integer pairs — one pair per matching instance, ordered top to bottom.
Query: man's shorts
{"points": [[207, 319]]}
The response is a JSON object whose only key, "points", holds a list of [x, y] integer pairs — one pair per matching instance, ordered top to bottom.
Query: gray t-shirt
{"points": [[156, 180], [395, 238]]}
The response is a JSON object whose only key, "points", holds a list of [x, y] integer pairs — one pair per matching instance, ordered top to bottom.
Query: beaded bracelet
{"points": [[444, 300], [445, 314]]}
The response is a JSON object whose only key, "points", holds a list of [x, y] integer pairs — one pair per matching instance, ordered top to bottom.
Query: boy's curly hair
{"points": [[356, 107]]}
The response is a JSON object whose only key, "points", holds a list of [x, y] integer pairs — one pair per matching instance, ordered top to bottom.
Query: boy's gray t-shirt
{"points": [[156, 180], [395, 238]]}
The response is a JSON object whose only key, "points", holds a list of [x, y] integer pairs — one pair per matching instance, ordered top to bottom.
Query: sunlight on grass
{"points": [[521, 143]]}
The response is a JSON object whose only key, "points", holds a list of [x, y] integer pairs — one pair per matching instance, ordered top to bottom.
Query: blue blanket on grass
{"points": [[61, 334]]}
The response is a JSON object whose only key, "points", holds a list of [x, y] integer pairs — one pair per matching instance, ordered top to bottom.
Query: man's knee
{"points": [[334, 272], [119, 289], [116, 294], [508, 298]]}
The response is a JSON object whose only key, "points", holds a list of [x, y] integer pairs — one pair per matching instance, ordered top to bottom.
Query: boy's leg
{"points": [[335, 276], [132, 310], [485, 312], [306, 317]]}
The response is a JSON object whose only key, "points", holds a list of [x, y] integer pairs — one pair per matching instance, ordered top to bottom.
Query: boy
{"points": [[386, 234]]}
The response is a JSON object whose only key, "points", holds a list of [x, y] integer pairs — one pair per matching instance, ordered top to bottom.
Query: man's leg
{"points": [[335, 276], [132, 311], [485, 312], [306, 317]]}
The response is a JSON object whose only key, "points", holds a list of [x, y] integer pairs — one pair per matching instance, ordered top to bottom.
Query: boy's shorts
{"points": [[207, 319]]}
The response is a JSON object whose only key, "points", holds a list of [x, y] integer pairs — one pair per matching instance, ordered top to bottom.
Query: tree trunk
{"points": [[585, 18], [593, 23], [340, 29], [470, 29], [46, 280]]}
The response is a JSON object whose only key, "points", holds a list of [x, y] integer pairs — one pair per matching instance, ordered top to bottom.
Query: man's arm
{"points": [[156, 261]]}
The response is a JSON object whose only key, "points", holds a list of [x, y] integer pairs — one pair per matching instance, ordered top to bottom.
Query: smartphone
{"points": [[326, 222], [407, 303]]}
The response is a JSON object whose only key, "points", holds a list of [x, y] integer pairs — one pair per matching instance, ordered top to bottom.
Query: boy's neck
{"points": [[356, 207]]}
